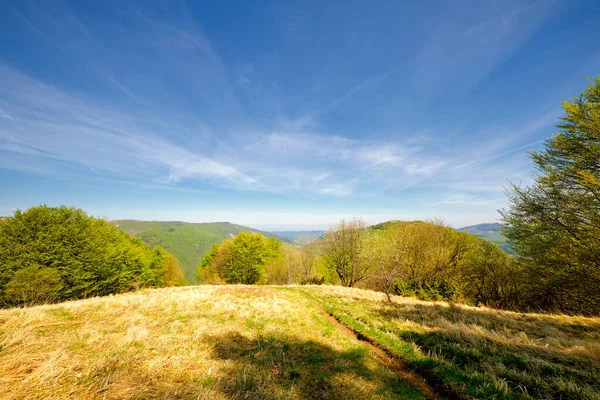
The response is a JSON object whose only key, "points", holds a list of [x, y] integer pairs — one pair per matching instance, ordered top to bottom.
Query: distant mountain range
{"points": [[483, 230], [489, 232], [292, 236], [187, 241]]}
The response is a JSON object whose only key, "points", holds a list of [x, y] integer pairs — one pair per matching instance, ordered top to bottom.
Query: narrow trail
{"points": [[395, 364]]}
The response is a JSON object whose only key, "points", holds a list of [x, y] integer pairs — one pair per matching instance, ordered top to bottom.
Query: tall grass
{"points": [[474, 352]]}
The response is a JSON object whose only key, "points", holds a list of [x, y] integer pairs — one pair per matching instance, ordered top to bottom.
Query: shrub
{"points": [[90, 256], [313, 281], [33, 285], [436, 291]]}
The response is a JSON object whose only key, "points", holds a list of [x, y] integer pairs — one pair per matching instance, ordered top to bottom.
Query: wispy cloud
{"points": [[458, 59], [371, 114], [52, 124]]}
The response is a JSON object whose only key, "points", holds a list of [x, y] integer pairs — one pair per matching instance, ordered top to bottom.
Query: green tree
{"points": [[554, 224], [344, 251], [388, 251], [91, 256], [240, 260], [168, 272], [489, 276]]}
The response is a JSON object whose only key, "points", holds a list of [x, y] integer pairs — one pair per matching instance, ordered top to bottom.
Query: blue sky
{"points": [[283, 115]]}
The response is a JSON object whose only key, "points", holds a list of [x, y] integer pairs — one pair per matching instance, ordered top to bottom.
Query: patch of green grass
{"points": [[60, 312], [477, 353]]}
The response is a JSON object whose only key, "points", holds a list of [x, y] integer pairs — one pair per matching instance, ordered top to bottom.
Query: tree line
{"points": [[553, 226], [60, 253], [52, 254], [250, 258], [423, 259], [427, 260]]}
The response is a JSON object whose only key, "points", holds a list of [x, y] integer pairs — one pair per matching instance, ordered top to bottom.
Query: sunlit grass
{"points": [[194, 342], [245, 342], [478, 352]]}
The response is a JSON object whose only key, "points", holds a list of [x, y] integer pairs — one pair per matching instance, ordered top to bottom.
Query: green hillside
{"points": [[491, 233], [187, 241]]}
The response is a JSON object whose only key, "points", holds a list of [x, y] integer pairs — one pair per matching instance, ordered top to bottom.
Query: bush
{"points": [[89, 256], [313, 281], [33, 285], [436, 291]]}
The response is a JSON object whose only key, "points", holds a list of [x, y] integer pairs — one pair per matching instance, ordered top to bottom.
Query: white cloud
{"points": [[52, 124], [336, 189]]}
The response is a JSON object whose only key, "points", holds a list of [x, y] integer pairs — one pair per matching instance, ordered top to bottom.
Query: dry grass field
{"points": [[206, 342], [257, 342]]}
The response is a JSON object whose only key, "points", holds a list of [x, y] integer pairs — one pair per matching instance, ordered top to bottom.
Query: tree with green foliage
{"points": [[554, 224], [91, 257], [240, 260], [431, 261], [172, 273], [489, 276]]}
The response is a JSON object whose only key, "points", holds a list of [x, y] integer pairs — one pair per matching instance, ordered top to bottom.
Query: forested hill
{"points": [[187, 241]]}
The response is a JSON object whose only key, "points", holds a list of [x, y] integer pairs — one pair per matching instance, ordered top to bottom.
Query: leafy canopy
{"points": [[555, 223], [88, 255], [242, 259]]}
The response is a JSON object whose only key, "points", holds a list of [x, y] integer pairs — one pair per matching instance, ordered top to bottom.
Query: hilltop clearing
{"points": [[209, 342], [263, 342]]}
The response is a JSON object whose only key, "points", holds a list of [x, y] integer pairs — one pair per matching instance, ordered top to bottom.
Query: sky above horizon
{"points": [[284, 115]]}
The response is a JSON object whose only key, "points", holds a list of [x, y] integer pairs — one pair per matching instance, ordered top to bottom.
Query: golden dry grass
{"points": [[204, 342], [478, 352]]}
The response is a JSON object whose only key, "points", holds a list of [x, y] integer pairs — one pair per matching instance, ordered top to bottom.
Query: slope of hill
{"points": [[484, 230], [489, 232], [187, 241], [265, 342]]}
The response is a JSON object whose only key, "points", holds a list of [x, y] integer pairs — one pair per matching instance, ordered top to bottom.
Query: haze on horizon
{"points": [[283, 116]]}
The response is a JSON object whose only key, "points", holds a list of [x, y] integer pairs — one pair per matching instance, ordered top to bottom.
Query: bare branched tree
{"points": [[344, 250], [308, 252], [388, 253]]}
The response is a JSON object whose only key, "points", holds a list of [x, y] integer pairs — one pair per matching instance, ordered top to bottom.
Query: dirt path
{"points": [[395, 364]]}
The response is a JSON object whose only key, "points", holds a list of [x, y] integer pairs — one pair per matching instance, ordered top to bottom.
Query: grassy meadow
{"points": [[206, 342], [264, 342]]}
